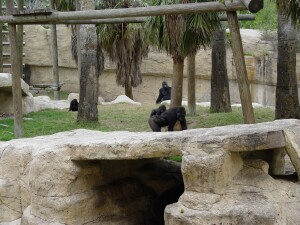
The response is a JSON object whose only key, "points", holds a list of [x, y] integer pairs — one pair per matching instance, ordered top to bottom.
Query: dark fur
{"points": [[164, 93], [74, 105], [158, 111], [168, 118]]}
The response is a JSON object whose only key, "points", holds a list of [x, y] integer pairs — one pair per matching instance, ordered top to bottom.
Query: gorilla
{"points": [[164, 93], [74, 105], [158, 111], [168, 118]]}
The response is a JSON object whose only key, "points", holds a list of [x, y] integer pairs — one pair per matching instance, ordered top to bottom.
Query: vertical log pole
{"points": [[78, 8], [20, 38], [1, 40], [55, 58], [240, 65], [15, 69]]}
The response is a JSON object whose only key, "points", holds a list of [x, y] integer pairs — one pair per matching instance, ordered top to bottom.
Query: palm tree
{"points": [[290, 8], [181, 35], [125, 44], [91, 59], [191, 76], [220, 98], [287, 100]]}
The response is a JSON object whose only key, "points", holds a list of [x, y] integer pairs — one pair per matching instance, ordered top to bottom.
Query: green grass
{"points": [[120, 117]]}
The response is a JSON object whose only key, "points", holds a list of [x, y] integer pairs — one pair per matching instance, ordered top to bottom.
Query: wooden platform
{"points": [[46, 87]]}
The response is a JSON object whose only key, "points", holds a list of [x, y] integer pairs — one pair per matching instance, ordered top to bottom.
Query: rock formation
{"points": [[6, 98], [93, 177]]}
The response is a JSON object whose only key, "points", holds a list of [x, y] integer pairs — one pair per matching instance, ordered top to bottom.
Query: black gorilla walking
{"points": [[164, 93], [168, 118]]}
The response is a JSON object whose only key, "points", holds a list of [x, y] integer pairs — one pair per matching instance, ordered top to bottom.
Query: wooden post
{"points": [[20, 39], [1, 40], [78, 46], [240, 66], [15, 68], [56, 92]]}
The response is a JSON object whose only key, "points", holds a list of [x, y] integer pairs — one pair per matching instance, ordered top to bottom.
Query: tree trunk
{"points": [[89, 77], [177, 80], [191, 84], [128, 91], [220, 98], [287, 102]]}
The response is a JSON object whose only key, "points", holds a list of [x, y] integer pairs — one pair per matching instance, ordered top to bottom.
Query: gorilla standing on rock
{"points": [[164, 93], [168, 118]]}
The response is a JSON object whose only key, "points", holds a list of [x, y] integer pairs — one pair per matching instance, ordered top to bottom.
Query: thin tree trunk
{"points": [[240, 66], [89, 79], [177, 80], [191, 84], [128, 91], [220, 98], [287, 100]]}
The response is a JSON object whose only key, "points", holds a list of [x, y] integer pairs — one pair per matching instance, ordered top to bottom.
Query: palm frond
{"points": [[291, 8], [182, 34], [126, 44]]}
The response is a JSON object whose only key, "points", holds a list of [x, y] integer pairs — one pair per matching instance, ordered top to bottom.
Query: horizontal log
{"points": [[253, 5], [189, 8], [132, 20], [6, 43], [8, 54], [7, 65]]}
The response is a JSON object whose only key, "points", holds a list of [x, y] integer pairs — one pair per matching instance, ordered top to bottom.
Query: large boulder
{"points": [[6, 97], [92, 177]]}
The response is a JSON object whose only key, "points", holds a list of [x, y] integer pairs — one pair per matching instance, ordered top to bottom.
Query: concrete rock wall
{"points": [[259, 54], [92, 177]]}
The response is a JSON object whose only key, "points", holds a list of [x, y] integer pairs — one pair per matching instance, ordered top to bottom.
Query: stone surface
{"points": [[72, 96], [6, 99], [122, 99], [293, 147], [92, 177]]}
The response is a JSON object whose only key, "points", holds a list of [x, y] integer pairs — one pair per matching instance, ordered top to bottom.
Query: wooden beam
{"points": [[253, 5], [201, 7], [132, 20], [240, 65], [16, 76]]}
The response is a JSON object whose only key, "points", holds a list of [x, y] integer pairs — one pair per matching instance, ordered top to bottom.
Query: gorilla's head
{"points": [[164, 84], [161, 109]]}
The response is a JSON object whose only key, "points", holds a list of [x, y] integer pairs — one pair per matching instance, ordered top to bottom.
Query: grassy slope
{"points": [[120, 117]]}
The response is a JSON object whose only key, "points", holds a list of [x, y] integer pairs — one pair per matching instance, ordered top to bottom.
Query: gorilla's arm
{"points": [[160, 96], [183, 124]]}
